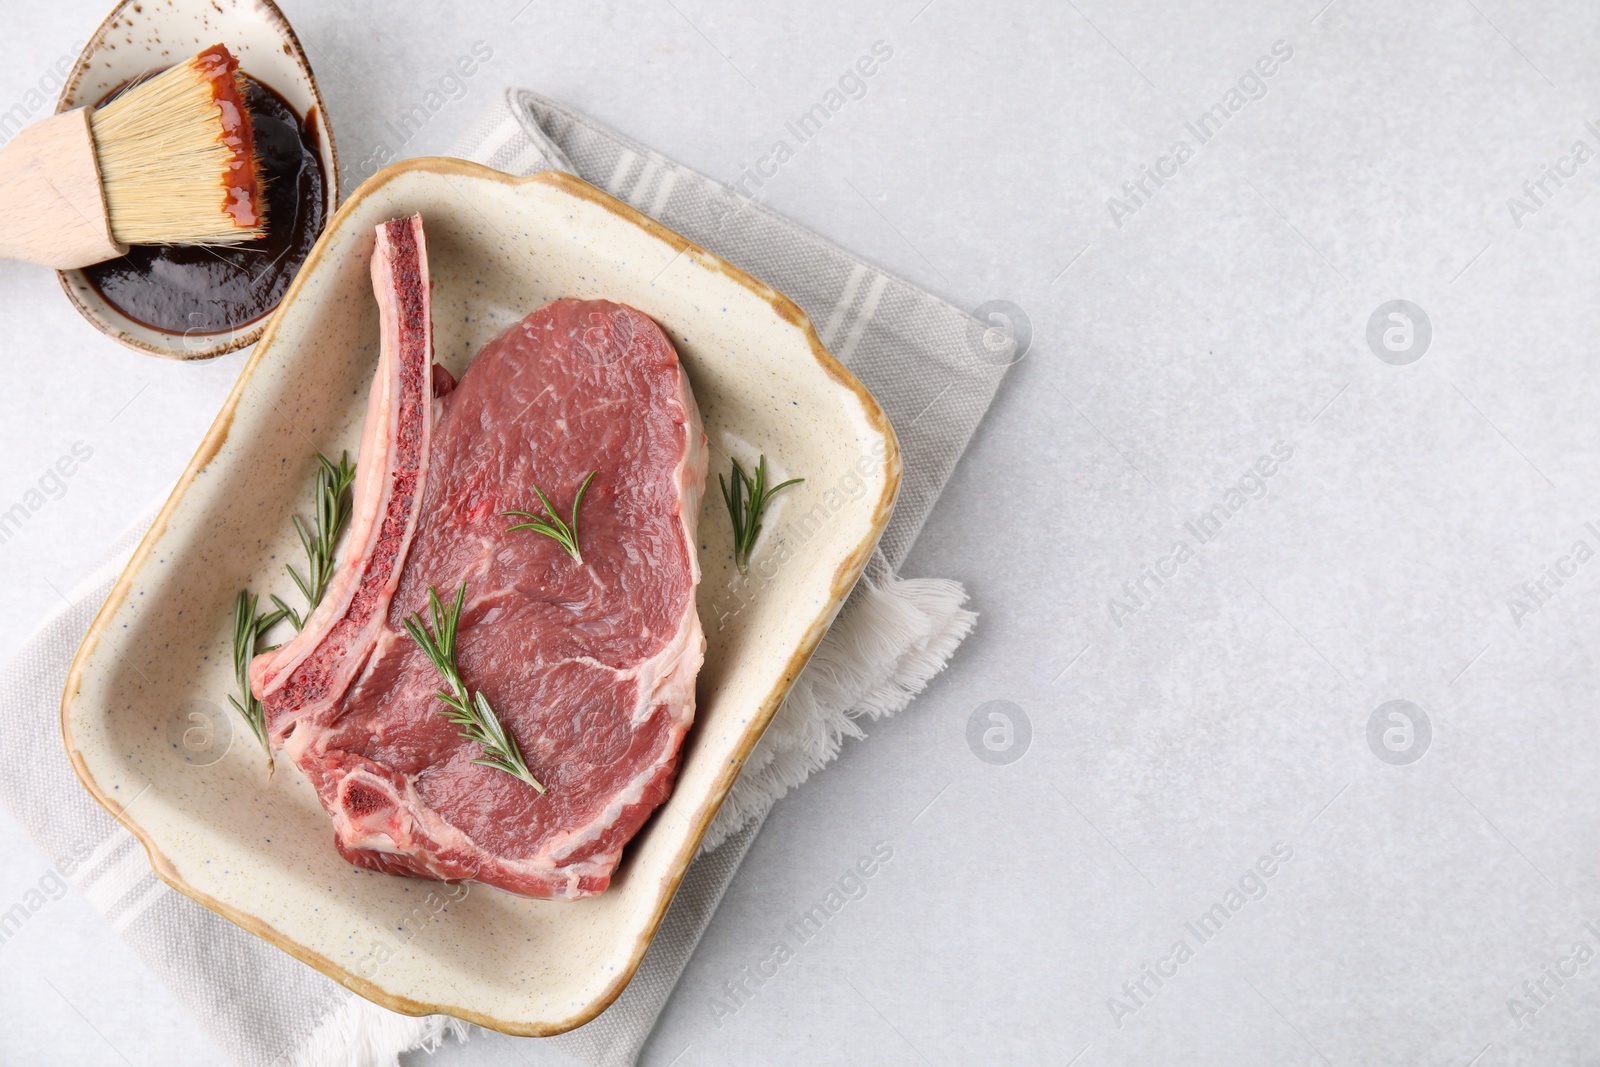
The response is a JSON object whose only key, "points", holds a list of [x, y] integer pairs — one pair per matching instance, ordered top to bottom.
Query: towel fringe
{"points": [[888, 642], [361, 1034]]}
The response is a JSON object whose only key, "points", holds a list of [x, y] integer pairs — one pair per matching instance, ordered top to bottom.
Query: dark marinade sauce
{"points": [[204, 290]]}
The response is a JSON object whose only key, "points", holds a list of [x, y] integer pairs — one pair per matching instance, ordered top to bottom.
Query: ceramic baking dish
{"points": [[142, 711]]}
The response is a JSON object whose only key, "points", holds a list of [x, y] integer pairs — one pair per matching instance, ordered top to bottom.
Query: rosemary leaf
{"points": [[747, 499], [332, 505], [550, 523], [288, 613], [248, 626], [476, 718]]}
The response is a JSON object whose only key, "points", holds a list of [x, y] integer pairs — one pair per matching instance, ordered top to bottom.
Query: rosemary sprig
{"points": [[747, 500], [332, 504], [550, 523], [248, 626], [475, 716]]}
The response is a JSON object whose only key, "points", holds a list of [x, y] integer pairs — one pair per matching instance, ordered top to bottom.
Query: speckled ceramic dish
{"points": [[142, 35], [141, 713]]}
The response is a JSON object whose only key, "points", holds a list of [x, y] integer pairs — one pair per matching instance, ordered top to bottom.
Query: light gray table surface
{"points": [[1189, 709]]}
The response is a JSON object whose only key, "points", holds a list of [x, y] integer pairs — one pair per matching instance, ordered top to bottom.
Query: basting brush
{"points": [[169, 161]]}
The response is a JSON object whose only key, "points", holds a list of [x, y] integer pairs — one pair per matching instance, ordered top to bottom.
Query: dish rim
{"points": [[844, 579]]}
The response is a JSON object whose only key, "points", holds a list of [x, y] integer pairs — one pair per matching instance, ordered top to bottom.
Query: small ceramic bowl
{"points": [[142, 35]]}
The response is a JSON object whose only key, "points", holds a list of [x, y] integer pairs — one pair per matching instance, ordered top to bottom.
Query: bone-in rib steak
{"points": [[590, 666]]}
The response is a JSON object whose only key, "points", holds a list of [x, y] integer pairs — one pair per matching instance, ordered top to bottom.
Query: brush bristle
{"points": [[177, 157]]}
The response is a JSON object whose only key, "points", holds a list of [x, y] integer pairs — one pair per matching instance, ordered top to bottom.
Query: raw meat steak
{"points": [[590, 666]]}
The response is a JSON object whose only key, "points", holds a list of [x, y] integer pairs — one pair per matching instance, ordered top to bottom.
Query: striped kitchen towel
{"points": [[934, 369]]}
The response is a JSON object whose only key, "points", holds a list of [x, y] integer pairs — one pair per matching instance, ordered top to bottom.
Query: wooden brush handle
{"points": [[52, 211]]}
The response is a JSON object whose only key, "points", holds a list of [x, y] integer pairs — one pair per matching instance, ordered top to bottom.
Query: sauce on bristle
{"points": [[242, 181]]}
